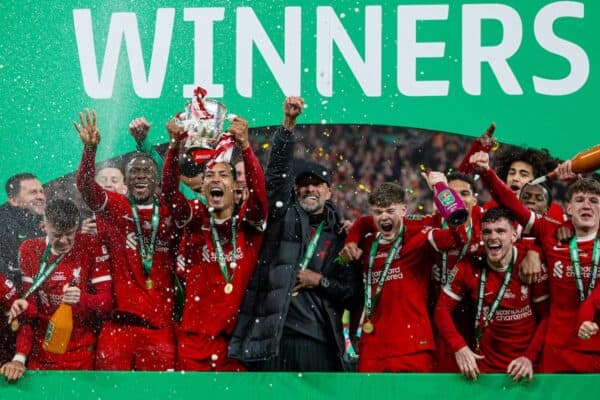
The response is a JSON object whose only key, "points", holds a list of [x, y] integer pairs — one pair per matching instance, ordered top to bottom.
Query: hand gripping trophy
{"points": [[203, 121]]}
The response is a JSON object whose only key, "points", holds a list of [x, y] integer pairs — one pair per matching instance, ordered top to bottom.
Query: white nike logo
{"points": [[128, 218], [559, 248]]}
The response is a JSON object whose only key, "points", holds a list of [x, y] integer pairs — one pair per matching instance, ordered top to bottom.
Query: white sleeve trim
{"points": [[527, 228], [431, 241], [102, 278], [27, 279], [451, 294], [541, 298], [20, 357]]}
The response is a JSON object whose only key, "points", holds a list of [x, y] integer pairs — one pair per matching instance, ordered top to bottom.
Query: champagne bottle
{"points": [[581, 163], [449, 204], [59, 330]]}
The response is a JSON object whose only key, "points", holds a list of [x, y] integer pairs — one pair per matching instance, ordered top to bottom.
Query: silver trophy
{"points": [[203, 120]]}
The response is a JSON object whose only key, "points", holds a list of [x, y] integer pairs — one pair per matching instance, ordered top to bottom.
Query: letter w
{"points": [[123, 25]]}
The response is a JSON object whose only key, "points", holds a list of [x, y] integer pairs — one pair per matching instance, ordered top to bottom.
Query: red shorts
{"points": [[126, 347], [198, 352], [80, 359], [557, 360], [416, 362]]}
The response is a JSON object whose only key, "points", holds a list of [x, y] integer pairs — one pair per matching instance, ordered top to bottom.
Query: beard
{"points": [[311, 207]]}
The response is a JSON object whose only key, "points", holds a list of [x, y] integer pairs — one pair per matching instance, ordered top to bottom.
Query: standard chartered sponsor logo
{"points": [[211, 256], [586, 271], [393, 273], [513, 314]]}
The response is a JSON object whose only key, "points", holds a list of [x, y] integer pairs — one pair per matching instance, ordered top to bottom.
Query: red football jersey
{"points": [[85, 266], [152, 304], [564, 305], [208, 309], [400, 319], [511, 330]]}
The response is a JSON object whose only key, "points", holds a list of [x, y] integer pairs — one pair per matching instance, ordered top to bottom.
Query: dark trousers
{"points": [[303, 354]]}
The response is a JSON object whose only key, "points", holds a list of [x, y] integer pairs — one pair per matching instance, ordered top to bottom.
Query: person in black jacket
{"points": [[20, 219], [290, 319]]}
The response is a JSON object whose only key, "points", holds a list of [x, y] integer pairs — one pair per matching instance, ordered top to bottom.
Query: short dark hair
{"points": [[139, 154], [540, 160], [188, 167], [231, 168], [459, 176], [13, 184], [584, 185], [546, 188], [386, 194], [62, 213], [496, 213]]}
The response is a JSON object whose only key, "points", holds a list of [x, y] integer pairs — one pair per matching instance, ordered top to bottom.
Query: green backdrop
{"points": [[380, 68], [307, 386]]}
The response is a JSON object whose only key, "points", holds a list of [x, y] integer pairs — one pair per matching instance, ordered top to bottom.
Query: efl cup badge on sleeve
{"points": [[203, 120]]}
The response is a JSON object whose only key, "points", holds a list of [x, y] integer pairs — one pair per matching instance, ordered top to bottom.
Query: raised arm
{"points": [[139, 128], [483, 143], [279, 168], [93, 195], [503, 195], [256, 205], [179, 206]]}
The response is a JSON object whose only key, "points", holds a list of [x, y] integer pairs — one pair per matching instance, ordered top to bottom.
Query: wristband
{"points": [[20, 358]]}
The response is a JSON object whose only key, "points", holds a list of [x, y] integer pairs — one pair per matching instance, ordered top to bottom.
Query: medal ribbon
{"points": [[214, 235], [311, 247], [574, 251], [146, 252], [463, 252], [44, 271], [497, 300], [371, 301]]}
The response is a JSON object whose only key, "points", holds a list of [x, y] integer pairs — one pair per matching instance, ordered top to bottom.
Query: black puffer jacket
{"points": [[16, 225], [264, 309]]}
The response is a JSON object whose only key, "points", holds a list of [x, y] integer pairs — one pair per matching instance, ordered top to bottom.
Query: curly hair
{"points": [[540, 160]]}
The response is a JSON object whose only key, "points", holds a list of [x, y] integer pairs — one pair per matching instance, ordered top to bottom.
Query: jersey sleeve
{"points": [[181, 210], [256, 211], [360, 228], [96, 295]]}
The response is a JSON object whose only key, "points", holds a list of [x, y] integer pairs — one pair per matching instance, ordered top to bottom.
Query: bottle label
{"points": [[446, 198], [49, 332]]}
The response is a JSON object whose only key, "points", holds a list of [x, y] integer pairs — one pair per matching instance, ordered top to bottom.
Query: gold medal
{"points": [[149, 284], [228, 288], [14, 325], [368, 327]]}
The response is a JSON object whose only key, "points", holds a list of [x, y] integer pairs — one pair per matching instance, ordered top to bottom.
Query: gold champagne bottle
{"points": [[581, 163], [59, 330]]}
